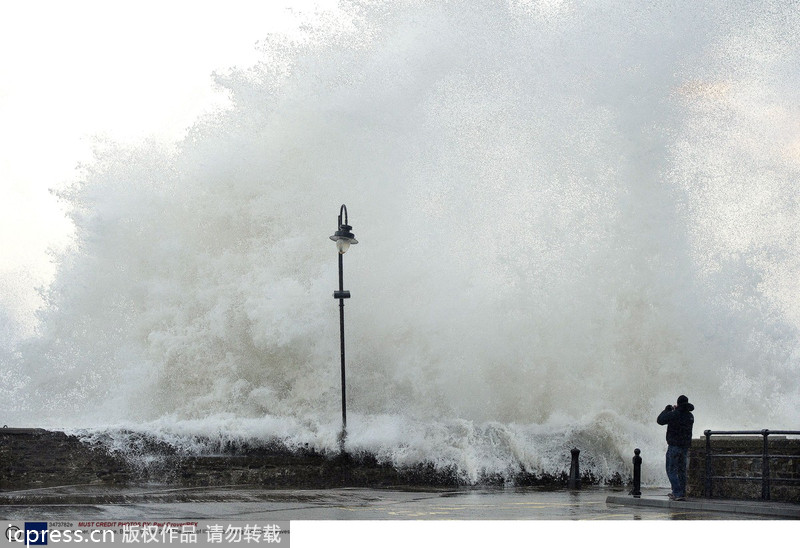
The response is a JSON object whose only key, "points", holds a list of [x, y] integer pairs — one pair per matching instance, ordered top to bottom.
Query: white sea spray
{"points": [[568, 214]]}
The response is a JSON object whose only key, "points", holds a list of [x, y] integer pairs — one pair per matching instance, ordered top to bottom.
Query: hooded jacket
{"points": [[679, 424]]}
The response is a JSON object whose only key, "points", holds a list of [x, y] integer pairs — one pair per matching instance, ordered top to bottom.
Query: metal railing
{"points": [[765, 478]]}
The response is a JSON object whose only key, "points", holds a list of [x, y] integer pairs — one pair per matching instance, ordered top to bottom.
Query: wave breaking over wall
{"points": [[568, 213]]}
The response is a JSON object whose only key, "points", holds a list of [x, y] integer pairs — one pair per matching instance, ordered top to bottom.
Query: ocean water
{"points": [[569, 213]]}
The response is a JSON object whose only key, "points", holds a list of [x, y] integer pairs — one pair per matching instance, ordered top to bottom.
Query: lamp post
{"points": [[344, 238]]}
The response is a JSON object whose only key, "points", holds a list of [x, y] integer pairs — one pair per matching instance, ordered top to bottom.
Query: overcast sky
{"points": [[126, 70]]}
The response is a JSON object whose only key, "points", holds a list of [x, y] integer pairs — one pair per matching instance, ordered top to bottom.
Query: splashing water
{"points": [[568, 213]]}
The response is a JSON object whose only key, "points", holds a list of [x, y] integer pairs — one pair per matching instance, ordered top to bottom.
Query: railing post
{"points": [[765, 467], [574, 471], [637, 473], [708, 485]]}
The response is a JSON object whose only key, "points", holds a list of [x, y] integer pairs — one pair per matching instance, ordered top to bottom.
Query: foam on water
{"points": [[568, 214]]}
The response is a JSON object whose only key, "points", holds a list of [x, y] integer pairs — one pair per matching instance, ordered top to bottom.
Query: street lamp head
{"points": [[344, 237], [343, 245]]}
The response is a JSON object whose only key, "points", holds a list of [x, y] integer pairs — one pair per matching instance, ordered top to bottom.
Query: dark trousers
{"points": [[677, 458]]}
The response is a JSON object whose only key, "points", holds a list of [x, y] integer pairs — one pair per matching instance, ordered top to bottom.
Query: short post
{"points": [[574, 471], [637, 473], [707, 487], [765, 495]]}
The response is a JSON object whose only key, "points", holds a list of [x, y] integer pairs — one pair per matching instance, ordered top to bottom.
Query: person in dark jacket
{"points": [[679, 421]]}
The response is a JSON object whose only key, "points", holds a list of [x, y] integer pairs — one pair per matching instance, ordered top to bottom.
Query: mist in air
{"points": [[568, 214]]}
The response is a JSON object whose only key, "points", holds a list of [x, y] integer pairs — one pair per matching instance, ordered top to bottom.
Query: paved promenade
{"points": [[591, 503], [733, 508], [433, 517]]}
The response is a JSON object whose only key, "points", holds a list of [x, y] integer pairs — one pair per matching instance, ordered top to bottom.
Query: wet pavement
{"points": [[242, 503]]}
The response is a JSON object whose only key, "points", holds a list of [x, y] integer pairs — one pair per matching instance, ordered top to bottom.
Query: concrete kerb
{"points": [[766, 508]]}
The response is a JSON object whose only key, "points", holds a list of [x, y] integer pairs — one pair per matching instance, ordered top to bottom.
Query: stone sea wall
{"points": [[31, 458], [746, 463]]}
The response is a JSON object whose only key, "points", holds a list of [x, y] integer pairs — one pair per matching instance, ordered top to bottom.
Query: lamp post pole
{"points": [[344, 238], [341, 344]]}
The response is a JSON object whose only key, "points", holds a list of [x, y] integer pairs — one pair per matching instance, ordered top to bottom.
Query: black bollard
{"points": [[574, 471], [637, 474]]}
